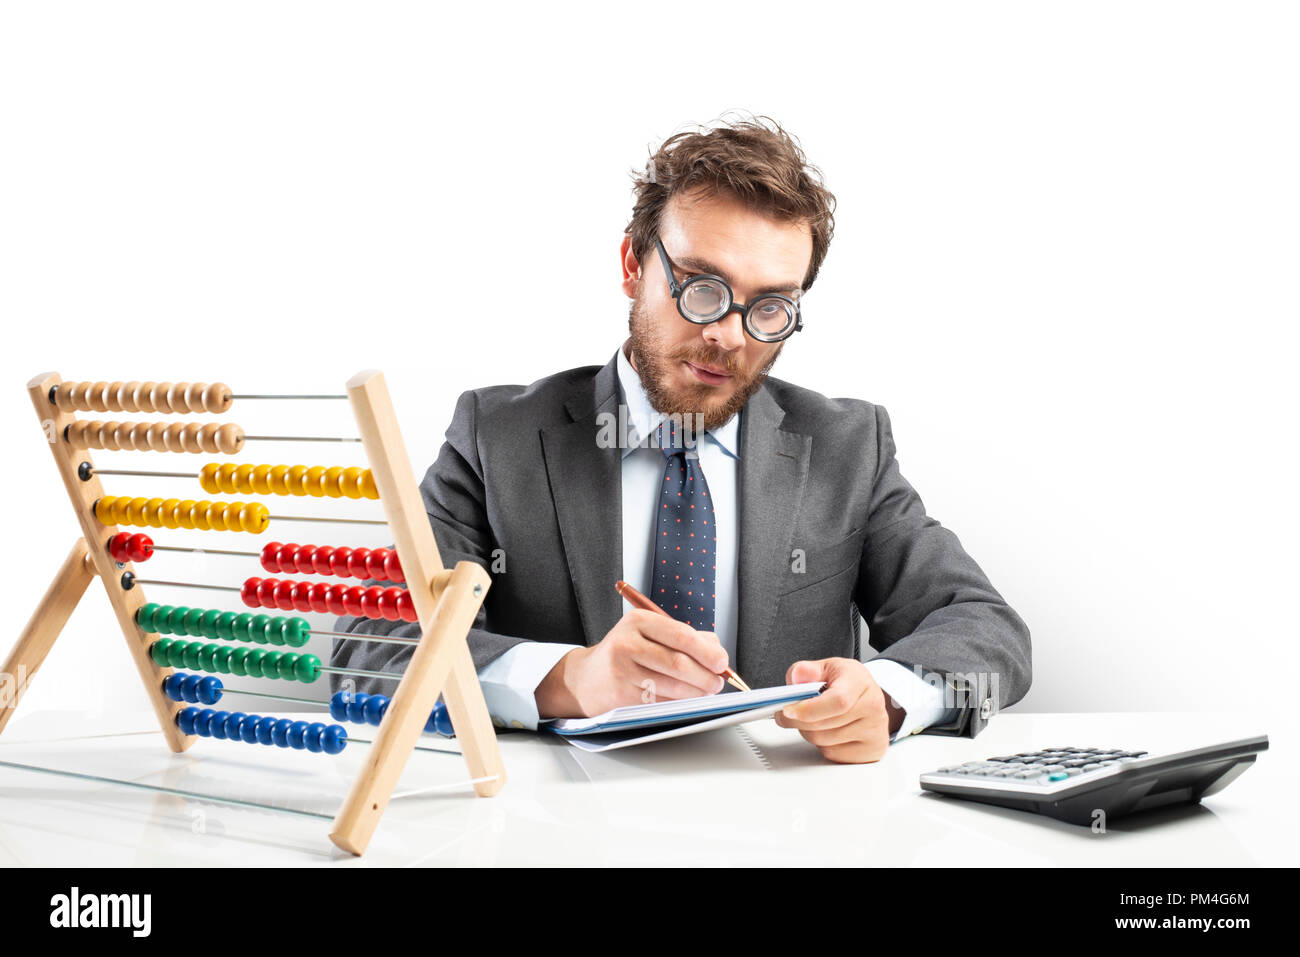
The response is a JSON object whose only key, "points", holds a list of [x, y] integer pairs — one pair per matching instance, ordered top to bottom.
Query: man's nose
{"points": [[728, 333]]}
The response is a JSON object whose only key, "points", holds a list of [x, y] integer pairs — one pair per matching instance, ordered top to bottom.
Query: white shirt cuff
{"points": [[510, 681], [922, 702]]}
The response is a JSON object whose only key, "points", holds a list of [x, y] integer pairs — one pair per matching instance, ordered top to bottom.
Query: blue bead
{"points": [[172, 685], [189, 688], [209, 689], [339, 705], [355, 706], [374, 708], [185, 719], [442, 720], [203, 722], [218, 723], [233, 723], [264, 728], [248, 730], [315, 731], [280, 732], [297, 734], [335, 739]]}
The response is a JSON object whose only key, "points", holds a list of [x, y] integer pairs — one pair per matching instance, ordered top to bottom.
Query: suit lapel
{"points": [[773, 474], [586, 485]]}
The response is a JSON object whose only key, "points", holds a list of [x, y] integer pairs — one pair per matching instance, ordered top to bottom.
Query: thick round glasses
{"points": [[705, 298]]}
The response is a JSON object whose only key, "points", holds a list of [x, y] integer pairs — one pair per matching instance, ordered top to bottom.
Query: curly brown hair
{"points": [[761, 165]]}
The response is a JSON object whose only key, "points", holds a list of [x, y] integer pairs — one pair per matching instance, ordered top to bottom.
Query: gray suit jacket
{"points": [[828, 528]]}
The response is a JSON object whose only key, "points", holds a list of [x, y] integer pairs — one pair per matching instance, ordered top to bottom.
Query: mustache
{"points": [[717, 360]]}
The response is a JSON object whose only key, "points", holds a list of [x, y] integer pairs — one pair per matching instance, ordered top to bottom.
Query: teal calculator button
{"points": [[1058, 776]]}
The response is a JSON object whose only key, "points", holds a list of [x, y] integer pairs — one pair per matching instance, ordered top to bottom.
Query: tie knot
{"points": [[670, 438]]}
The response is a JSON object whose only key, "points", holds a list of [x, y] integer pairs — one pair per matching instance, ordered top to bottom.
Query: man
{"points": [[763, 532]]}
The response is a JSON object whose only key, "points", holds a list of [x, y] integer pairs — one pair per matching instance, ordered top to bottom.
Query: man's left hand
{"points": [[851, 721]]}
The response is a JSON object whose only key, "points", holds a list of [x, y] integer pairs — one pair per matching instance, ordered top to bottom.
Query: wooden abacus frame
{"points": [[446, 601]]}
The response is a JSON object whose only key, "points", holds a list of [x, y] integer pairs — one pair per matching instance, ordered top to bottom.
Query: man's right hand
{"points": [[645, 657]]}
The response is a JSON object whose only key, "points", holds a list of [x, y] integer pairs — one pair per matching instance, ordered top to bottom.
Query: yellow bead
{"points": [[226, 476], [208, 478], [244, 479], [261, 479], [295, 479], [280, 480], [313, 482], [350, 482], [368, 485], [104, 509], [135, 511], [153, 513], [169, 513], [185, 513], [200, 514], [219, 515], [254, 518]]}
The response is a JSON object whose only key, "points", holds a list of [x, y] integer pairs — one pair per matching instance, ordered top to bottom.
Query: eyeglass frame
{"points": [[677, 289]]}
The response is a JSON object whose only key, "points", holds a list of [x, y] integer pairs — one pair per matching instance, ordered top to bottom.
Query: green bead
{"points": [[144, 617], [175, 619], [191, 623], [208, 624], [225, 625], [242, 626], [263, 629], [275, 629], [296, 632], [158, 651], [176, 654], [191, 655], [237, 656], [208, 658], [221, 658], [254, 662], [271, 664], [287, 664], [307, 668]]}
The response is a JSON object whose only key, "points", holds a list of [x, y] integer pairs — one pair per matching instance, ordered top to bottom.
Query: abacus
{"points": [[443, 601]]}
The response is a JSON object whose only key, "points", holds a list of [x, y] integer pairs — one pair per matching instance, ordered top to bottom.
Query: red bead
{"points": [[116, 547], [139, 548], [288, 558], [304, 559], [321, 560], [269, 561], [339, 561], [357, 563], [375, 563], [392, 567], [266, 592], [250, 593], [300, 595], [283, 596], [317, 597], [335, 598], [352, 601], [370, 602], [388, 605], [406, 605]]}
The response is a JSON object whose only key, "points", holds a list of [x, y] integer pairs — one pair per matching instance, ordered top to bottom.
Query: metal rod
{"points": [[240, 396], [296, 438], [191, 475], [341, 521], [206, 551], [156, 581], [390, 639], [359, 673], [197, 795]]}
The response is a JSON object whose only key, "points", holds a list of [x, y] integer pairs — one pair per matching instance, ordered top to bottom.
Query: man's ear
{"points": [[631, 268]]}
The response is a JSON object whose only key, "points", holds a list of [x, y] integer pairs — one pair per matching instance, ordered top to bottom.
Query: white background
{"points": [[1065, 262]]}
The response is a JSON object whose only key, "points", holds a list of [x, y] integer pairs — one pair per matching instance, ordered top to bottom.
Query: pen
{"points": [[639, 600]]}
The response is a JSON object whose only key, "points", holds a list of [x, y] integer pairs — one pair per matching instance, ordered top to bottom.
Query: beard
{"points": [[656, 365]]}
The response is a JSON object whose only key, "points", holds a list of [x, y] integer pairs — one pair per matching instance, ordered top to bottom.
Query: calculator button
{"points": [[1091, 767], [1057, 776]]}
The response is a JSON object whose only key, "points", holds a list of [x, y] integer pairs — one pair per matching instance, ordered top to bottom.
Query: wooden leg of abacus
{"points": [[69, 584], [426, 674]]}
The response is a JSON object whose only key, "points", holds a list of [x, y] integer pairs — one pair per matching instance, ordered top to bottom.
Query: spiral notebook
{"points": [[641, 723]]}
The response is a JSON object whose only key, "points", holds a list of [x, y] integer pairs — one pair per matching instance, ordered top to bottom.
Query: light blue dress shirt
{"points": [[510, 681]]}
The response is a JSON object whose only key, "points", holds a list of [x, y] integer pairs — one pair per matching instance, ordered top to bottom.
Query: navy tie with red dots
{"points": [[685, 566]]}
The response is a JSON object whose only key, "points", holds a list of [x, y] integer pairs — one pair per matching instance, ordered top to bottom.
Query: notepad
{"points": [[640, 723]]}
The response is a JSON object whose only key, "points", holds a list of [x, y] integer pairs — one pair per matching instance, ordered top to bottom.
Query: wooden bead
{"points": [[96, 397], [127, 397], [144, 397], [160, 397], [194, 397], [216, 397], [189, 436], [208, 438], [230, 439]]}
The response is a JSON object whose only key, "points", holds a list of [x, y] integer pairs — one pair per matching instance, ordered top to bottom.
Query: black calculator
{"points": [[1080, 785]]}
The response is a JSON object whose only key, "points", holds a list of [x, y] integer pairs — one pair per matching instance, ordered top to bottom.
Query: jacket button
{"points": [[986, 708]]}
